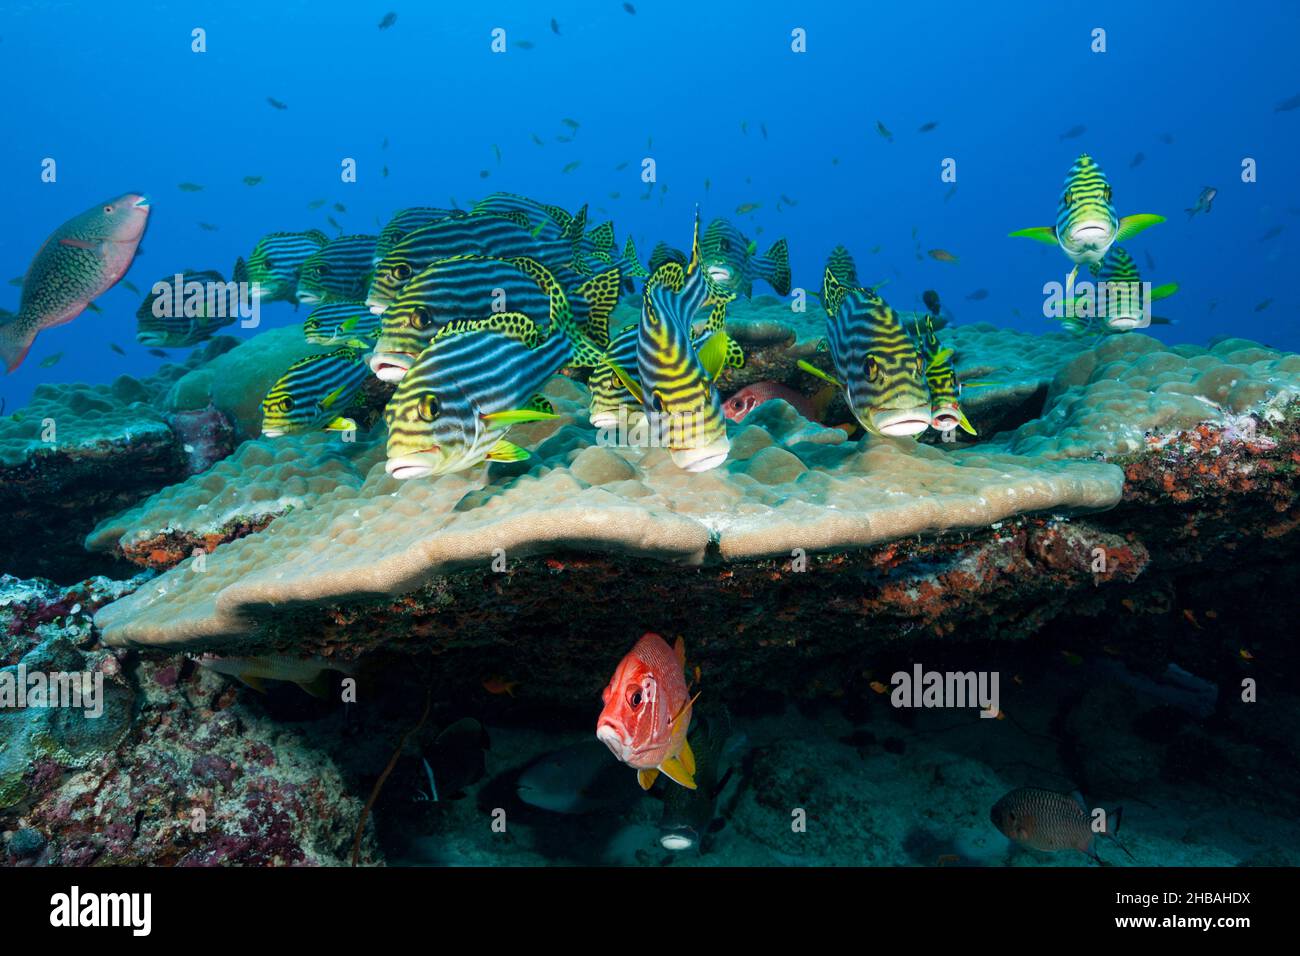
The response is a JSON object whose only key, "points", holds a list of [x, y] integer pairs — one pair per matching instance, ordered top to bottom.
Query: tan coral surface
{"points": [[772, 496]]}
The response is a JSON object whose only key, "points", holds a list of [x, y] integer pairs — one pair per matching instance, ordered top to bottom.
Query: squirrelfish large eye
{"points": [[401, 272], [421, 317], [428, 407], [634, 698]]}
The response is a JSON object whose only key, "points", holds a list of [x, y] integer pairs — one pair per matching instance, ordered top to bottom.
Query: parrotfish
{"points": [[1086, 224], [80, 261], [731, 264], [876, 363], [312, 393], [647, 713], [1049, 821]]}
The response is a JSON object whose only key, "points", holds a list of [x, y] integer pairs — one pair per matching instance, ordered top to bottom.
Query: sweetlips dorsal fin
{"points": [[601, 292], [515, 325]]}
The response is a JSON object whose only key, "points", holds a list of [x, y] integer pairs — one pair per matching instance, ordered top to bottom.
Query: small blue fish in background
{"points": [[389, 19], [1203, 201]]}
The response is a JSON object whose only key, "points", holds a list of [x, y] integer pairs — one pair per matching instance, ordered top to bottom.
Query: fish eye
{"points": [[1107, 192], [1068, 199], [108, 209], [322, 269], [401, 272], [421, 317], [873, 368], [286, 404], [428, 407], [634, 698]]}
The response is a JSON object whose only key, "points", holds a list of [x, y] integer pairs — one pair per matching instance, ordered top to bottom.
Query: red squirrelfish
{"points": [[81, 260], [811, 407], [647, 713]]}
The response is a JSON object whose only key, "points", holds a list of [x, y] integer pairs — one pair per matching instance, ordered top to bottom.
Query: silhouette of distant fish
{"points": [[389, 19], [276, 104], [1288, 104], [1074, 132]]}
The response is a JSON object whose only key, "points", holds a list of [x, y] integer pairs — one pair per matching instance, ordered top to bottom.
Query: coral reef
{"points": [[78, 453], [263, 480], [390, 537], [173, 771]]}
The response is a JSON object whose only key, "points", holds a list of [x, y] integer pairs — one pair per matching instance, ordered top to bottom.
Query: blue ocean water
{"points": [[713, 93]]}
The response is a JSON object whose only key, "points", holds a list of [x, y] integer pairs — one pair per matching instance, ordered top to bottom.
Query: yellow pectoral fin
{"points": [[1130, 226], [1037, 233], [1164, 291], [713, 354], [814, 370], [628, 381], [518, 415], [341, 425], [966, 426], [507, 451], [687, 757], [675, 771], [646, 778]]}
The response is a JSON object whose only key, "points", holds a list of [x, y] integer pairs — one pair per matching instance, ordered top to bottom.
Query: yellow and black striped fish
{"points": [[407, 221], [1086, 225], [482, 235], [276, 262], [731, 262], [340, 270], [466, 288], [1121, 300], [195, 319], [342, 323], [875, 360], [941, 378], [674, 381], [313, 392], [454, 406]]}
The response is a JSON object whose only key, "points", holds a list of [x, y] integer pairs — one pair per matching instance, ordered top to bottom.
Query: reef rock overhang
{"points": [[790, 488]]}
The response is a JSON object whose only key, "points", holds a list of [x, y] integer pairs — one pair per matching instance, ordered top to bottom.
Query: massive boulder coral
{"points": [[1146, 466], [262, 480], [772, 497]]}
